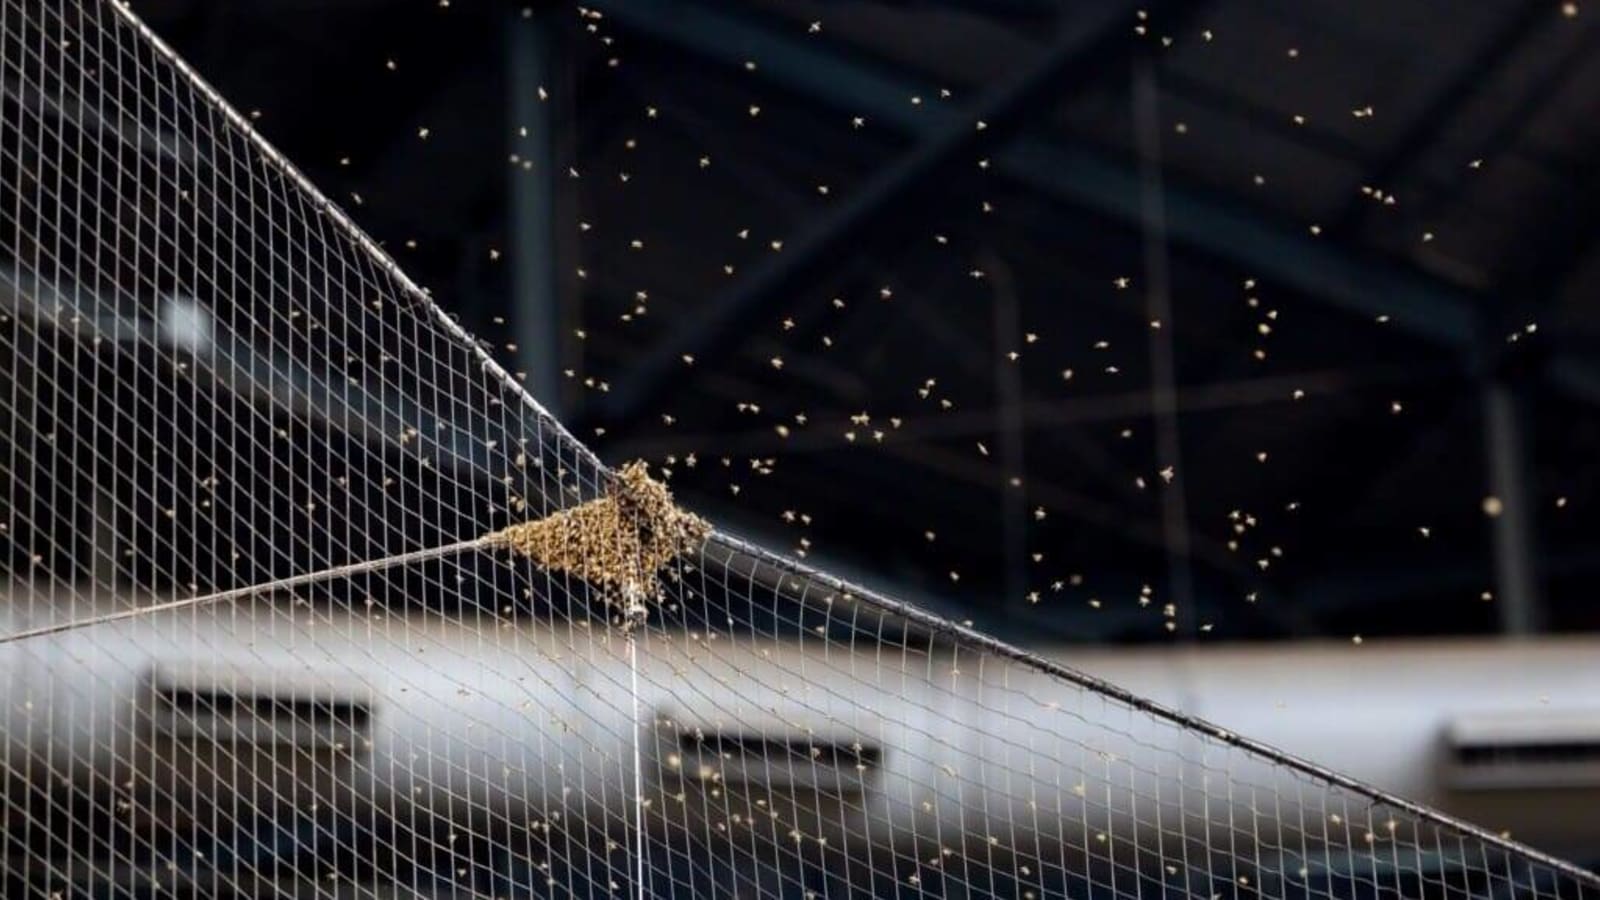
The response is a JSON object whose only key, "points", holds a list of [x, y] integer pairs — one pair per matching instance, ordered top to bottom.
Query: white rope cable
{"points": [[268, 587], [638, 768]]}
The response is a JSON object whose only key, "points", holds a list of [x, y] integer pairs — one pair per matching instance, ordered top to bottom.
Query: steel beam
{"points": [[1146, 114], [1424, 128], [952, 141], [1288, 255], [535, 288], [371, 412], [1060, 415], [1010, 427], [1511, 523]]}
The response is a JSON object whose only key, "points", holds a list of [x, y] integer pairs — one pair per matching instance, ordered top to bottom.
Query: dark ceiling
{"points": [[1046, 315]]}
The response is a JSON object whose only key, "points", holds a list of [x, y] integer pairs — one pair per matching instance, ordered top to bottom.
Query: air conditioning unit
{"points": [[215, 710], [222, 744], [1523, 750], [778, 760]]}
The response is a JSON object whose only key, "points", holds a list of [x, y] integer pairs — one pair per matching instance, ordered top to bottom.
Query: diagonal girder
{"points": [[953, 138], [1415, 303]]}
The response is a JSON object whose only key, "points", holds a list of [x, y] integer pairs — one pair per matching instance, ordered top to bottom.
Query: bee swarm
{"points": [[619, 541]]}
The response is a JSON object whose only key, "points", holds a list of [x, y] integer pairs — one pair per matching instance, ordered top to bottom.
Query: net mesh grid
{"points": [[213, 380]]}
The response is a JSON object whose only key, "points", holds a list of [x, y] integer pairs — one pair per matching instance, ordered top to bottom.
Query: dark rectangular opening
{"points": [[285, 709], [826, 753], [1542, 753]]}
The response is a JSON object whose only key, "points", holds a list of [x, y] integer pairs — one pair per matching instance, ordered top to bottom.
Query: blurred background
{"points": [[1276, 313], [1259, 325]]}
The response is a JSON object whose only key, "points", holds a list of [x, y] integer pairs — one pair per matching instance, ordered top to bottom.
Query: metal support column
{"points": [[535, 286], [1163, 356], [1010, 427], [1510, 509]]}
